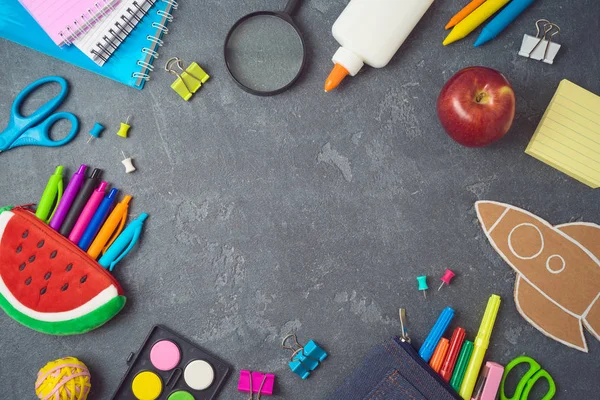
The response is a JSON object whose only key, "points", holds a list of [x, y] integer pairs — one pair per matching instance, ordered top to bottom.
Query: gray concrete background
{"points": [[307, 211]]}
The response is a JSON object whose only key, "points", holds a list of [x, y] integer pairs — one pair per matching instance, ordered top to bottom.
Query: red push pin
{"points": [[448, 275]]}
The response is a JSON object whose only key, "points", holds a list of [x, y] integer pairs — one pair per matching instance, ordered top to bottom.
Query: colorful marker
{"points": [[462, 14], [473, 20], [502, 20], [52, 195], [67, 199], [80, 201], [88, 213], [97, 220], [111, 229], [124, 243], [456, 342], [430, 343], [480, 346], [439, 355], [461, 365], [489, 382]]}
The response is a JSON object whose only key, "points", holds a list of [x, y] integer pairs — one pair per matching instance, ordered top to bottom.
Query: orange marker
{"points": [[462, 14], [111, 229], [439, 355]]}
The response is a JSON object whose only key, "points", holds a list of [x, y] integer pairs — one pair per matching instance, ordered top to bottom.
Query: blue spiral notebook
{"points": [[130, 64]]}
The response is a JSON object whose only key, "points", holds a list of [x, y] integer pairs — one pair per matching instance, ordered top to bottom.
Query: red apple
{"points": [[476, 106]]}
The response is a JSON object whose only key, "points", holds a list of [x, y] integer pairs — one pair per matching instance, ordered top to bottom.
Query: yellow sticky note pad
{"points": [[568, 136]]}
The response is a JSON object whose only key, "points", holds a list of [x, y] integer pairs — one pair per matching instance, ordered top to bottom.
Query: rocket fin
{"points": [[587, 234], [547, 317], [591, 318]]}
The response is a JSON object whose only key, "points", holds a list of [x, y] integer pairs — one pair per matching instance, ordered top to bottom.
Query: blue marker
{"points": [[502, 20], [97, 220], [124, 243], [426, 351]]}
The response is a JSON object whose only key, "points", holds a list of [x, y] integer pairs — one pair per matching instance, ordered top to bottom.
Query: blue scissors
{"points": [[34, 130]]}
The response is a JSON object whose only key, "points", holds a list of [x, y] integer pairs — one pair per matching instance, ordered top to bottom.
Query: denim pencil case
{"points": [[49, 284], [394, 371]]}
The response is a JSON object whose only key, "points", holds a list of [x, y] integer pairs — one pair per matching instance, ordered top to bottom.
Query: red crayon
{"points": [[456, 342]]}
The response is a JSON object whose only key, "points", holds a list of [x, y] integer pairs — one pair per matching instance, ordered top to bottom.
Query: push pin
{"points": [[124, 129], [95, 132], [128, 163], [448, 275], [422, 280], [304, 359], [256, 382]]}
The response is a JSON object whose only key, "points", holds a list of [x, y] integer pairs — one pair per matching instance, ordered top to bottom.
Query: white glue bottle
{"points": [[371, 32]]}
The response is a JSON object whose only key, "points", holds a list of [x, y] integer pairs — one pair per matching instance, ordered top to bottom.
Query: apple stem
{"points": [[480, 97]]}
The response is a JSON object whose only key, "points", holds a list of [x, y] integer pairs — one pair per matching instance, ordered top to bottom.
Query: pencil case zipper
{"points": [[26, 212], [410, 350]]}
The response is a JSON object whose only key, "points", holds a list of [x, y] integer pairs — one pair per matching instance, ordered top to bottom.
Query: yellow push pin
{"points": [[124, 129]]}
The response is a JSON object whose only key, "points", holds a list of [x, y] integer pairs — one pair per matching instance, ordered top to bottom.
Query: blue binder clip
{"points": [[304, 359]]}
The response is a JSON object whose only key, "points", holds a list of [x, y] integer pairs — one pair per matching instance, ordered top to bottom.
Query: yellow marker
{"points": [[473, 20], [124, 129], [111, 229], [480, 346]]}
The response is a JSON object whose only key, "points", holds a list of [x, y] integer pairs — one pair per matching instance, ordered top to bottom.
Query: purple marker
{"points": [[68, 196]]}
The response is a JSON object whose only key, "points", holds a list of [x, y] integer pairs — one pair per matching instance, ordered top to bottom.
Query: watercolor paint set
{"points": [[169, 367]]}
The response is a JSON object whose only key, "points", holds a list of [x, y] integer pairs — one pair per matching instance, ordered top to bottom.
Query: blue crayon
{"points": [[502, 20]]}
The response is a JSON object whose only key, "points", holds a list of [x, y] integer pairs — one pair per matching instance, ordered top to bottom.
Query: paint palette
{"points": [[168, 367]]}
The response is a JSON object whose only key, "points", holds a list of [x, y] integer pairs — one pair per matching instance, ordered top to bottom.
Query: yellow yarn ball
{"points": [[63, 379]]}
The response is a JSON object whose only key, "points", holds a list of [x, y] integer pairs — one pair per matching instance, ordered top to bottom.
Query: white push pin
{"points": [[128, 163]]}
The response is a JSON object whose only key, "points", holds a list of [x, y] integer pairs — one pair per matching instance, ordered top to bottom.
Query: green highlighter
{"points": [[52, 195], [461, 365]]}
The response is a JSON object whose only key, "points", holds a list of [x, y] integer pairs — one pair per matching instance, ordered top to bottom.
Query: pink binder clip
{"points": [[261, 383]]}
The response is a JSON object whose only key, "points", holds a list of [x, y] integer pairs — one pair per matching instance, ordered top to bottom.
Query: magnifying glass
{"points": [[265, 51]]}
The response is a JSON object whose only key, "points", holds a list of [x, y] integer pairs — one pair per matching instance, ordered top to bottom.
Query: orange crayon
{"points": [[462, 14]]}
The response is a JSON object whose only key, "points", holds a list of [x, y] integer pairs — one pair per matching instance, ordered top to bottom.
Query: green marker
{"points": [[52, 195], [461, 365]]}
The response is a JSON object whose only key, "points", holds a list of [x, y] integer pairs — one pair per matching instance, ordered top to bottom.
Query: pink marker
{"points": [[87, 213], [489, 382]]}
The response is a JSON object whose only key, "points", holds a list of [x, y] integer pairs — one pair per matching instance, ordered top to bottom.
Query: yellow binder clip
{"points": [[188, 79]]}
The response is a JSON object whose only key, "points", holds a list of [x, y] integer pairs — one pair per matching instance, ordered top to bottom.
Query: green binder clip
{"points": [[189, 80]]}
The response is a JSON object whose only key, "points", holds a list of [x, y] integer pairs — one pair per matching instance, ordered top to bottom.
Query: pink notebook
{"points": [[65, 20]]}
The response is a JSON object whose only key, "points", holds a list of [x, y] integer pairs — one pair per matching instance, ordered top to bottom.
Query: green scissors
{"points": [[528, 380]]}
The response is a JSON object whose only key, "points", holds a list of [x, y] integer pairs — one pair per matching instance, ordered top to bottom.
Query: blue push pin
{"points": [[95, 132], [303, 359]]}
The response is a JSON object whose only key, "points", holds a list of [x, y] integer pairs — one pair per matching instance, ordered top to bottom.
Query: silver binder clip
{"points": [[541, 47]]}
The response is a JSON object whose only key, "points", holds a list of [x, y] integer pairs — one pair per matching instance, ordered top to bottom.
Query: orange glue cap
{"points": [[337, 75]]}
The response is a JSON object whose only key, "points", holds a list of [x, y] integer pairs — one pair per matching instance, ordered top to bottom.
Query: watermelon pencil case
{"points": [[49, 284]]}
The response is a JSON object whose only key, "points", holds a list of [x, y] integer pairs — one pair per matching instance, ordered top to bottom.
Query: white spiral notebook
{"points": [[66, 20], [103, 39]]}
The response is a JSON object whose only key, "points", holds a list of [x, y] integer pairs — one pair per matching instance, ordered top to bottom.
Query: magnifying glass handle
{"points": [[291, 6]]}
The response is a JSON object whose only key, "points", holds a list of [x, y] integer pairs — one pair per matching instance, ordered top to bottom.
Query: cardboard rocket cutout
{"points": [[557, 289]]}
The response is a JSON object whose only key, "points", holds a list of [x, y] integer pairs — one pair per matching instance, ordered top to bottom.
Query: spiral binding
{"points": [[85, 22], [121, 29], [155, 42]]}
